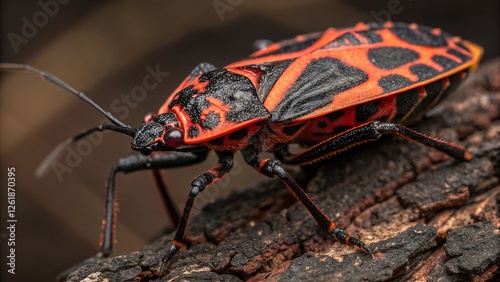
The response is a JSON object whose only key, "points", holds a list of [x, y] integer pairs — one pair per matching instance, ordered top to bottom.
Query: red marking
{"points": [[436, 31], [253, 74], [200, 86], [149, 118], [467, 156], [263, 163]]}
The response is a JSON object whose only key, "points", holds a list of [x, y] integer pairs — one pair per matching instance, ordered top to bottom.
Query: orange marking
{"points": [[388, 24], [360, 26], [436, 31], [300, 38], [269, 49], [253, 74], [199, 86], [467, 156], [262, 163], [331, 227]]}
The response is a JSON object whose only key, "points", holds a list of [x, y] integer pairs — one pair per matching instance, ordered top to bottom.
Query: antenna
{"points": [[55, 80], [118, 126], [57, 151]]}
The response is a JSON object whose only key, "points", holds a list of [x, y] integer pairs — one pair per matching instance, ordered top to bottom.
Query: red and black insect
{"points": [[328, 91]]}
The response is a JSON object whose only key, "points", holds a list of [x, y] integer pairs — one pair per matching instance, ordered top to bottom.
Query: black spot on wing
{"points": [[422, 35], [371, 36], [347, 39], [462, 46], [461, 56], [391, 57], [444, 62], [424, 71], [322, 79], [393, 82], [366, 110], [334, 116], [211, 121], [322, 124], [292, 129], [193, 131]]}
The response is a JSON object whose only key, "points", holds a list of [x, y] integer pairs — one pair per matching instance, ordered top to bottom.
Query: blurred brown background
{"points": [[103, 49]]}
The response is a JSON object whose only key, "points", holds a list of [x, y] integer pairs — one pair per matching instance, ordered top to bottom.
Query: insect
{"points": [[328, 91]]}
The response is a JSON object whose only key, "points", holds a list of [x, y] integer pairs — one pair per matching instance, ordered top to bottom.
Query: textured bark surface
{"points": [[426, 216]]}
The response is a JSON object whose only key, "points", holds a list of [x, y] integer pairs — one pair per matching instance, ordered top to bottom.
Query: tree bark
{"points": [[426, 216]]}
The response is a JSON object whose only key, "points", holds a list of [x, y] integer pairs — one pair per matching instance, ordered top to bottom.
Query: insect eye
{"points": [[149, 118], [173, 138]]}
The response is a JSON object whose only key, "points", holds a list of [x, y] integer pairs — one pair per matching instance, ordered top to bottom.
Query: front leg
{"points": [[134, 163], [130, 164], [198, 184]]}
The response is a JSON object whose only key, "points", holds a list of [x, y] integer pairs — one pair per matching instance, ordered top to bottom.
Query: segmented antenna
{"points": [[55, 80], [118, 126], [56, 153]]}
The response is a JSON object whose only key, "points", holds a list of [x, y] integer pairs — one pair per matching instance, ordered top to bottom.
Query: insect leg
{"points": [[370, 132], [134, 163], [130, 164], [271, 168], [306, 173], [198, 185], [169, 206]]}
